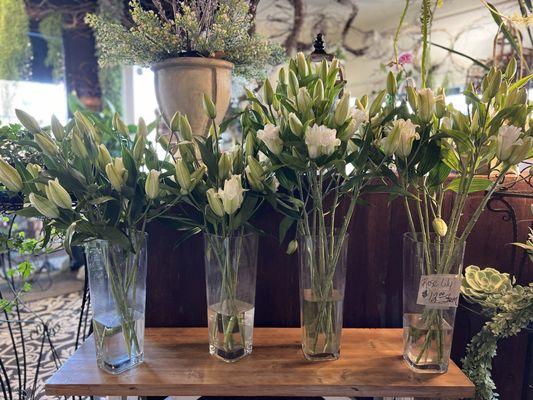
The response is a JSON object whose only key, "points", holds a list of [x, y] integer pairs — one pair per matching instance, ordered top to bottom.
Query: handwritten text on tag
{"points": [[439, 290]]}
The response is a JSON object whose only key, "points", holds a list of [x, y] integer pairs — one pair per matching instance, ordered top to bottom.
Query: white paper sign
{"points": [[439, 290]]}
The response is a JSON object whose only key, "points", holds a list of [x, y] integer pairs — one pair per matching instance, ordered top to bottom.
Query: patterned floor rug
{"points": [[49, 329]]}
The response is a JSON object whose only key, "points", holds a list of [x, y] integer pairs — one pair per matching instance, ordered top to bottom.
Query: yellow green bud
{"points": [[302, 64], [510, 71], [281, 75], [391, 84], [493, 85], [294, 86], [268, 92], [318, 93], [412, 97], [303, 100], [376, 104], [426, 104], [440, 104], [209, 107], [341, 110], [28, 121], [175, 122], [295, 124], [120, 126], [185, 128], [57, 129], [46, 143], [77, 143], [249, 144], [138, 148], [104, 157], [224, 166], [255, 167], [116, 173], [183, 176], [10, 177], [253, 180], [151, 185], [58, 195], [215, 203], [44, 206], [440, 227], [292, 247]]}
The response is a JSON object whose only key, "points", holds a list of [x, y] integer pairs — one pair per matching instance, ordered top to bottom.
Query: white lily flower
{"points": [[270, 136], [321, 140], [510, 147], [232, 195]]}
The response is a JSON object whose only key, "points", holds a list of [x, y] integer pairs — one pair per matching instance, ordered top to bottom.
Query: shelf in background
{"points": [[177, 362]]}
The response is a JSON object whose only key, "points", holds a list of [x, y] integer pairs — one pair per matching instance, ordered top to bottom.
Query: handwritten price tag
{"points": [[439, 291]]}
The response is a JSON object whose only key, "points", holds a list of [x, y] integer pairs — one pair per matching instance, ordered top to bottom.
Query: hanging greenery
{"points": [[52, 31], [15, 46]]}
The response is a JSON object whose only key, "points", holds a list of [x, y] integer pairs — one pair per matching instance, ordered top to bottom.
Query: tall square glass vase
{"points": [[230, 269], [432, 269], [117, 281], [322, 283]]}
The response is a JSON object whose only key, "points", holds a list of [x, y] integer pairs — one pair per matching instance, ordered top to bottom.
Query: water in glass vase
{"points": [[322, 326], [230, 329], [118, 345], [427, 346]]}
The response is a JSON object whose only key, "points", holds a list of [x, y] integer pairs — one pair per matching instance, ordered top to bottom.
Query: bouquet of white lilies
{"points": [[322, 152]]}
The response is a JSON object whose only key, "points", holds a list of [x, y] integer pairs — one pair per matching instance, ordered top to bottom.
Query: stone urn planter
{"points": [[181, 82]]}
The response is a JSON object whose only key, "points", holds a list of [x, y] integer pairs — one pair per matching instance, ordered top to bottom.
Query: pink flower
{"points": [[405, 58]]}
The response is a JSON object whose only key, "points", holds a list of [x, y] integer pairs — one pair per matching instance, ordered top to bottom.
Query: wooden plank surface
{"points": [[177, 362]]}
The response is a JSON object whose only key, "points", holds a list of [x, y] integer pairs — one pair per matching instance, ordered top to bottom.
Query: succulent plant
{"points": [[479, 283]]}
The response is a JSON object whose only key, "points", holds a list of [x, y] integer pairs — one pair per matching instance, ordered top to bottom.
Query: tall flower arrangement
{"points": [[433, 149], [323, 155], [221, 192], [84, 194]]}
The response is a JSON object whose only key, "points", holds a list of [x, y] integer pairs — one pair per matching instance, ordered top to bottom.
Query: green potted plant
{"points": [[192, 46]]}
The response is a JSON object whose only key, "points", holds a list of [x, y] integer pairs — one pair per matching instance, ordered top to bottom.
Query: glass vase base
{"points": [[229, 356], [322, 356], [117, 368], [425, 368]]}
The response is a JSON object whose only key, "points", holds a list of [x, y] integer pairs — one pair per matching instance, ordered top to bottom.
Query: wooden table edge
{"points": [[129, 389]]}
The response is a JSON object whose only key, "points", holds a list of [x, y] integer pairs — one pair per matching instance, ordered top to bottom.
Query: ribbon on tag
{"points": [[439, 290]]}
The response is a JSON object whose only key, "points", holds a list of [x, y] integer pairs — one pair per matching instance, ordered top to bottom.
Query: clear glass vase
{"points": [[231, 268], [117, 281], [322, 283], [431, 285]]}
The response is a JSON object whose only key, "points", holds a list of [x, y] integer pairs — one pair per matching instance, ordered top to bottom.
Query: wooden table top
{"points": [[177, 362]]}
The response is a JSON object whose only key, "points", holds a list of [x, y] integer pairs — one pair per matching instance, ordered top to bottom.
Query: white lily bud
{"points": [[426, 104], [341, 110], [295, 124], [104, 157], [116, 173], [183, 176], [10, 177], [151, 185], [58, 195], [215, 203], [44, 206], [440, 227]]}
